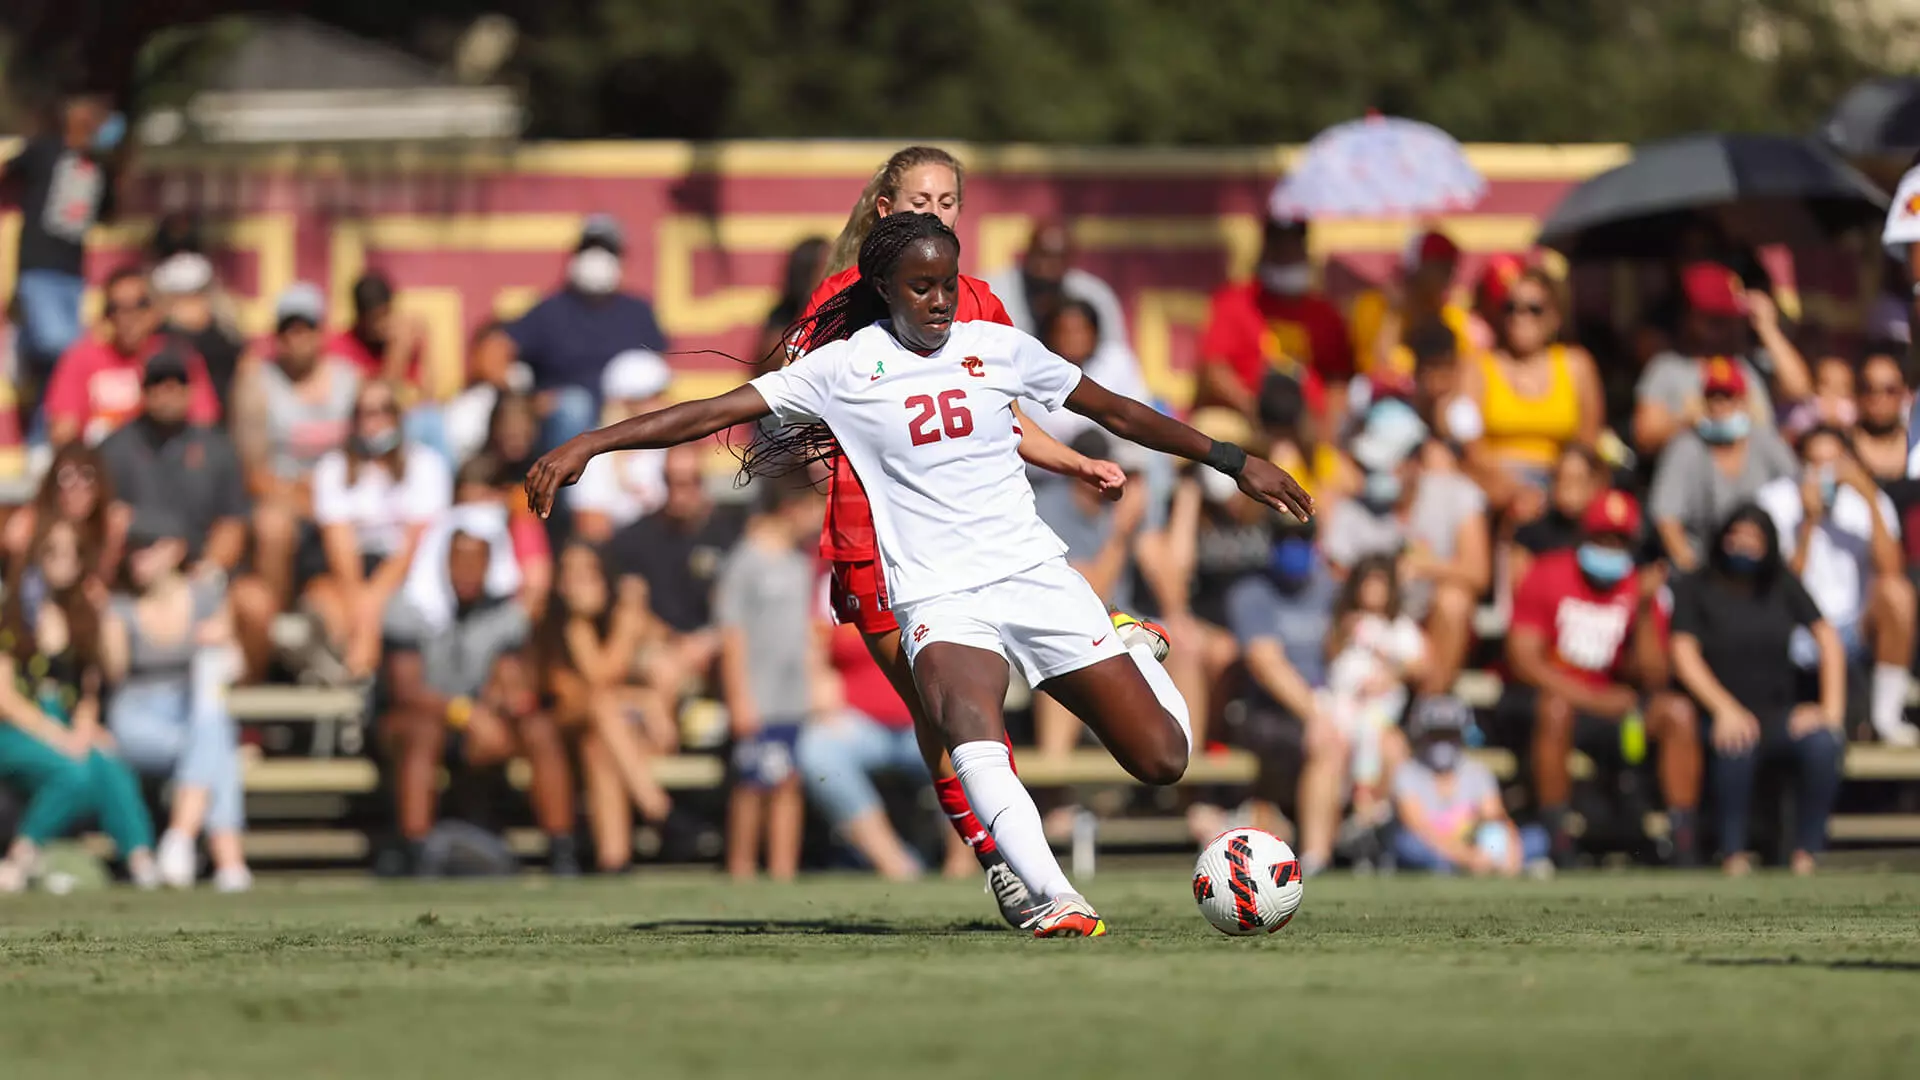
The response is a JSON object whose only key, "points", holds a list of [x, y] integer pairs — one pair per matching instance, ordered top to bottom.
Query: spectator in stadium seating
{"points": [[63, 181], [806, 268], [1497, 275], [1047, 278], [197, 315], [1380, 318], [1723, 318], [1276, 322], [1073, 332], [567, 338], [381, 343], [95, 388], [1439, 389], [1535, 394], [1832, 404], [291, 408], [464, 419], [513, 435], [1881, 437], [1293, 440], [163, 460], [1720, 464], [1578, 476], [479, 483], [75, 490], [617, 490], [372, 499], [1435, 521], [1840, 536], [1211, 539], [677, 550], [764, 604], [1282, 617], [1735, 622], [586, 647], [1587, 648], [167, 649], [1375, 651], [456, 685], [860, 729], [52, 747], [1448, 807]]}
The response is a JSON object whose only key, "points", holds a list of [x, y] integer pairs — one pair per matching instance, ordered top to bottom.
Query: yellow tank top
{"points": [[1526, 430]]}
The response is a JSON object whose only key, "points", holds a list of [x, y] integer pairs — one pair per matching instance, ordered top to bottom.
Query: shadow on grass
{"points": [[808, 927], [1795, 961]]}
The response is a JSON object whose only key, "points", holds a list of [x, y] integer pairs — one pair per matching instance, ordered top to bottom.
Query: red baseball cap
{"points": [[1430, 246], [1497, 278], [1712, 289], [1723, 376], [1612, 513]]}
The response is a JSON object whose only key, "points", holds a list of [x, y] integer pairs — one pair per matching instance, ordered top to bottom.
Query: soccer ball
{"points": [[1247, 882]]}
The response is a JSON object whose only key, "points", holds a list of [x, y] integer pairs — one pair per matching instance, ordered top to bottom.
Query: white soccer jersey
{"points": [[932, 439]]}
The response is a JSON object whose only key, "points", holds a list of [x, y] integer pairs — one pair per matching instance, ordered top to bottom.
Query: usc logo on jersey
{"points": [[975, 366], [919, 633]]}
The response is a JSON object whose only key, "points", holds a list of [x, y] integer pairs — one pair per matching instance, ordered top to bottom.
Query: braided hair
{"points": [[777, 452]]}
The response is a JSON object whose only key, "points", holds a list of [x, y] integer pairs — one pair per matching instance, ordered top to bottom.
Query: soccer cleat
{"points": [[1134, 631], [1009, 892], [1065, 916]]}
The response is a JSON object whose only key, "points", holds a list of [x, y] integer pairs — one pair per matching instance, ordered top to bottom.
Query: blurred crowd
{"points": [[1711, 575]]}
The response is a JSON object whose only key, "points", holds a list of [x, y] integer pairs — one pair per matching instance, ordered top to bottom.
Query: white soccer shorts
{"points": [[1045, 619]]}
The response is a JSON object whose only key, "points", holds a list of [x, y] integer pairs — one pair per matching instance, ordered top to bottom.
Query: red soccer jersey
{"points": [[1254, 331], [99, 389], [848, 533], [1586, 629]]}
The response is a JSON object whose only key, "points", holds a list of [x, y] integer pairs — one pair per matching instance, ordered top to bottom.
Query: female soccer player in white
{"points": [[921, 406]]}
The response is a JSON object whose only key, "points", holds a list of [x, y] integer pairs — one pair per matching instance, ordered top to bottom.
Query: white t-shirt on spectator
{"points": [[1903, 216], [625, 486], [379, 509], [1839, 554]]}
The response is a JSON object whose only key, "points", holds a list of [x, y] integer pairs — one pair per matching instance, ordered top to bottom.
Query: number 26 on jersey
{"points": [[936, 418]]}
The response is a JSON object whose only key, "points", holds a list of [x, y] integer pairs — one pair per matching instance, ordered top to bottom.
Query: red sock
{"points": [[1011, 764], [953, 801]]}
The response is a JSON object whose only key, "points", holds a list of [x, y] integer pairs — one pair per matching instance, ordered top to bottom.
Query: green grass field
{"points": [[684, 975]]}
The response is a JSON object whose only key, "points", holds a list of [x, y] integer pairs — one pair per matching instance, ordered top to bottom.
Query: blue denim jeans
{"points": [[49, 315], [576, 409], [180, 728], [838, 756], [1816, 757]]}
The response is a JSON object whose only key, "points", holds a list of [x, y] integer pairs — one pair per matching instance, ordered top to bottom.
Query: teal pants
{"points": [[60, 791]]}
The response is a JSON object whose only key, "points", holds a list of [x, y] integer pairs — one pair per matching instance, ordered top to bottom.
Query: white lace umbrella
{"points": [[1380, 166]]}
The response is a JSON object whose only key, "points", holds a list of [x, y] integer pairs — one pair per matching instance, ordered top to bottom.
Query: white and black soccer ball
{"points": [[1247, 882]]}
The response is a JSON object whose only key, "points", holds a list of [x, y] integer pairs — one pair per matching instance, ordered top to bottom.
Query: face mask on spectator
{"points": [[594, 271], [1290, 279], [1719, 431], [378, 445], [1217, 486], [1380, 490], [1291, 563], [1743, 564], [1605, 565], [1441, 755]]}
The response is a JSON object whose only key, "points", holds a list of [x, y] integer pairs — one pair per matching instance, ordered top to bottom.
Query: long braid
{"points": [[776, 452]]}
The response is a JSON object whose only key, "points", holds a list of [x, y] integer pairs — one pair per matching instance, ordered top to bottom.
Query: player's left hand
{"points": [[557, 468], [1104, 477], [1265, 482]]}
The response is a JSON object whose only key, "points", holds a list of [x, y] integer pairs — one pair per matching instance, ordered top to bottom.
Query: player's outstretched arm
{"points": [[671, 426], [1043, 451], [1260, 479]]}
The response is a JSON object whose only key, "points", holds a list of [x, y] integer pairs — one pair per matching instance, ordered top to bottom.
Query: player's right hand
{"points": [[557, 468], [1265, 482]]}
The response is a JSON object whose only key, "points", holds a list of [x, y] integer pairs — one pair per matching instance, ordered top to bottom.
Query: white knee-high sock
{"points": [[1163, 688], [1888, 706], [1002, 804]]}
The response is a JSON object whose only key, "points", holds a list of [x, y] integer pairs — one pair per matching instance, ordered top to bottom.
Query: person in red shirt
{"points": [[928, 180], [1276, 322], [381, 343], [96, 386], [1587, 645]]}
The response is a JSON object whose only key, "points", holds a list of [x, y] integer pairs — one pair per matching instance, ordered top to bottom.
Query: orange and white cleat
{"points": [[1134, 631], [1066, 916]]}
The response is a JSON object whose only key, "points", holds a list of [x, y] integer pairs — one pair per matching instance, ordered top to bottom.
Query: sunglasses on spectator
{"points": [[141, 304], [1535, 309], [1889, 389], [387, 408], [73, 476]]}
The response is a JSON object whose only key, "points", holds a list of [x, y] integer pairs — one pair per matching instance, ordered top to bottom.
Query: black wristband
{"points": [[1226, 458]]}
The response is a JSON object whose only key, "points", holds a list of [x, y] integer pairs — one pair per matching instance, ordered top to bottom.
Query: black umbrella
{"points": [[1877, 118], [1762, 189]]}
